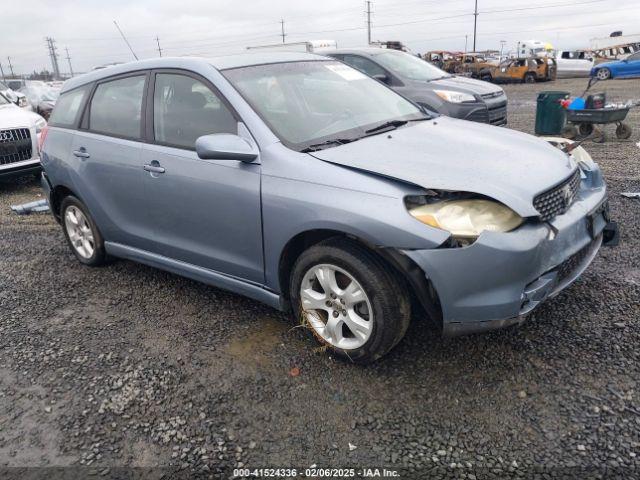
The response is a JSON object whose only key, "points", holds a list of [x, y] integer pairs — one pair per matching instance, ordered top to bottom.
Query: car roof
{"points": [[219, 63]]}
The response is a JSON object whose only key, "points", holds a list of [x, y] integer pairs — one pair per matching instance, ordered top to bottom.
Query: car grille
{"points": [[487, 96], [498, 115], [15, 145], [558, 199], [569, 266]]}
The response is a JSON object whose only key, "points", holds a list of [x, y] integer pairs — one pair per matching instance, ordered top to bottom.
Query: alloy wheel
{"points": [[79, 232], [336, 306]]}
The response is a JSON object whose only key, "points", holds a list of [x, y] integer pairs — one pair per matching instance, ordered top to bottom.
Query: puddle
{"points": [[252, 347]]}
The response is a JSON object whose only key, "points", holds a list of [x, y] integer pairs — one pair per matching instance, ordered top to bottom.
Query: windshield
{"points": [[408, 66], [38, 93], [307, 103]]}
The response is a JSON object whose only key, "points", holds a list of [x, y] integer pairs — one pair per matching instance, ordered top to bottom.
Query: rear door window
{"points": [[116, 107], [67, 109], [184, 109]]}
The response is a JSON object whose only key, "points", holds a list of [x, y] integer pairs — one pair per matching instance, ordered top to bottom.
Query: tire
{"points": [[603, 74], [486, 77], [530, 78], [585, 129], [569, 131], [623, 131], [599, 135], [83, 236], [384, 307]]}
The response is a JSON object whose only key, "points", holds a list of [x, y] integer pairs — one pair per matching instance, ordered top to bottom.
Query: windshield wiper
{"points": [[393, 124], [314, 147]]}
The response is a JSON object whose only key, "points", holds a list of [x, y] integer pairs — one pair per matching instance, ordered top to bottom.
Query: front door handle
{"points": [[81, 153], [154, 168]]}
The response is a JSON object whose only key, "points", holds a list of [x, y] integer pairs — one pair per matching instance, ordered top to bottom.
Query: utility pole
{"points": [[368, 12], [475, 25], [283, 35], [466, 38], [125, 40], [502, 43], [66, 49], [159, 49], [53, 54], [11, 67], [2, 72]]}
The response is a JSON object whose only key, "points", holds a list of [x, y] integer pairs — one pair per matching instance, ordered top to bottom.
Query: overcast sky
{"points": [[216, 27]]}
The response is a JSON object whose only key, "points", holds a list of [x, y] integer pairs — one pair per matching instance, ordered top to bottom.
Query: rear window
{"points": [[116, 107], [65, 113]]}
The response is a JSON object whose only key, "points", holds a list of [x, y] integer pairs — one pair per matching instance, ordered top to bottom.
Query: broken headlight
{"points": [[466, 218]]}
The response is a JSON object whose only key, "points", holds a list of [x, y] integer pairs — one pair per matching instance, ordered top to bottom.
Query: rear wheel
{"points": [[603, 74], [530, 78], [585, 129], [569, 131], [623, 131], [599, 135], [81, 232], [351, 301]]}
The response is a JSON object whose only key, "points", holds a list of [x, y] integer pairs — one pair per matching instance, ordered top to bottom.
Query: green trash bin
{"points": [[550, 116]]}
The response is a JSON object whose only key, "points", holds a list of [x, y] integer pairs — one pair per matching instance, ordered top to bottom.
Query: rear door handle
{"points": [[81, 153], [154, 168]]}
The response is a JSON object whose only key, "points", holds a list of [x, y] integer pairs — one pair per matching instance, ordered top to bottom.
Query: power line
{"points": [[368, 12], [475, 26], [125, 40], [66, 49], [53, 55], [10, 66]]}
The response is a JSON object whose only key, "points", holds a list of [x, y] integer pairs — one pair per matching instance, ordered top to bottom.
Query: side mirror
{"points": [[381, 77], [225, 146]]}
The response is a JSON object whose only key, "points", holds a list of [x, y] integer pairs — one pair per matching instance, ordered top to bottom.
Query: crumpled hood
{"points": [[465, 85], [12, 116], [456, 155]]}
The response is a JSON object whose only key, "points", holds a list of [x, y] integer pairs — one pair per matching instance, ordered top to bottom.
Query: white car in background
{"points": [[574, 63], [18, 98], [19, 140]]}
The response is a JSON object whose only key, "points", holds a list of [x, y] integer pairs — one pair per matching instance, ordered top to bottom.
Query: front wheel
{"points": [[603, 74], [530, 78], [351, 301]]}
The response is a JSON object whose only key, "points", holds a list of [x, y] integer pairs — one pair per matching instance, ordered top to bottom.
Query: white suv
{"points": [[19, 136]]}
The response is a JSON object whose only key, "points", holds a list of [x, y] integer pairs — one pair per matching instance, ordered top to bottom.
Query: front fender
{"points": [[291, 207]]}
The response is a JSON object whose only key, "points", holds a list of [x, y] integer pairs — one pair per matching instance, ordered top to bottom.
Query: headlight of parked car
{"points": [[455, 97], [40, 124], [466, 219]]}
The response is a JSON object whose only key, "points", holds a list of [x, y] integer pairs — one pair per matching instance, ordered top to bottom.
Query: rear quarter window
{"points": [[68, 107]]}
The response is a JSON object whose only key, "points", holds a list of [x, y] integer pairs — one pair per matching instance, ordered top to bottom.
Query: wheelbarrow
{"points": [[582, 123]]}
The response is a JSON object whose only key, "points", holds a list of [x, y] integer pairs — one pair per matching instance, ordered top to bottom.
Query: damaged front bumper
{"points": [[502, 277]]}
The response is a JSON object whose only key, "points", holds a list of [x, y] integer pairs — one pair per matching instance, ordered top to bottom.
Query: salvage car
{"points": [[574, 63], [627, 68], [521, 70], [430, 87], [14, 97], [41, 97], [19, 134], [300, 182]]}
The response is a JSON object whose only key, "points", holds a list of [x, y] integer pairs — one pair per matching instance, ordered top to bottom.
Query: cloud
{"points": [[208, 28]]}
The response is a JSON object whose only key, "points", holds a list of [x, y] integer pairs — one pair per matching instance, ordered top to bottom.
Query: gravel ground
{"points": [[127, 366]]}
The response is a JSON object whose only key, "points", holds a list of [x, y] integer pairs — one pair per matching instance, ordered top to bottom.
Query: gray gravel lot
{"points": [[127, 366]]}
